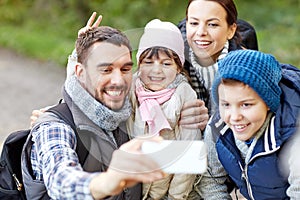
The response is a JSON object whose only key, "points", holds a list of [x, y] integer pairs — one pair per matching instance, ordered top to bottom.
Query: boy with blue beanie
{"points": [[258, 104]]}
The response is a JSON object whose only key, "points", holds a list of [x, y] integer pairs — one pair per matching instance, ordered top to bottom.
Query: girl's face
{"points": [[207, 30], [157, 72], [241, 109]]}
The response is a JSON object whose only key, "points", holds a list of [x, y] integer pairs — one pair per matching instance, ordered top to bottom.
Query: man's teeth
{"points": [[114, 93]]}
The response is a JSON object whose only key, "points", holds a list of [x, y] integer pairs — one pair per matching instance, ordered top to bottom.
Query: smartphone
{"points": [[178, 156]]}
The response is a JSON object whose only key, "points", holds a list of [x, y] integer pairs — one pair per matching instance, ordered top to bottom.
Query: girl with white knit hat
{"points": [[160, 89]]}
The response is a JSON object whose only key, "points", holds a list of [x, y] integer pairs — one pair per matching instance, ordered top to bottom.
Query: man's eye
{"points": [[127, 69], [104, 71]]}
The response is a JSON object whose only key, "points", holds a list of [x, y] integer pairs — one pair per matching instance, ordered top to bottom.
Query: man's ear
{"points": [[79, 71]]}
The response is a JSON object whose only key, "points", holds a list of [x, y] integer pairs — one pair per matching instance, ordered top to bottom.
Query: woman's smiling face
{"points": [[207, 30]]}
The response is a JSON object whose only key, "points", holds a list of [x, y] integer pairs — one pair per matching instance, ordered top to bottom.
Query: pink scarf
{"points": [[150, 109]]}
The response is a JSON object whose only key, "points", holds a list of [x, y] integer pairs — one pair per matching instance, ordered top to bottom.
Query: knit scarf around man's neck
{"points": [[98, 113]]}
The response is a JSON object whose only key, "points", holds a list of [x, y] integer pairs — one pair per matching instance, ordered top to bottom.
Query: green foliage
{"points": [[277, 25], [47, 29], [34, 44]]}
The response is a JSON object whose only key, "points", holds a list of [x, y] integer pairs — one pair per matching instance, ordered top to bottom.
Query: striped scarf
{"points": [[202, 77]]}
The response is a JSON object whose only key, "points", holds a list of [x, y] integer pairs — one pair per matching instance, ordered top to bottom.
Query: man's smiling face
{"points": [[107, 75]]}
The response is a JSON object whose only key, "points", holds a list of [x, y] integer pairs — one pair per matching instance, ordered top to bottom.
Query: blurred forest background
{"points": [[46, 30]]}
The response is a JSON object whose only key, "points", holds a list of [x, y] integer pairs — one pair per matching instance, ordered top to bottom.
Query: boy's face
{"points": [[158, 73], [107, 75], [241, 109]]}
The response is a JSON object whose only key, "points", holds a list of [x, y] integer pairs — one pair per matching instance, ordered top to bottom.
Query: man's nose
{"points": [[117, 77]]}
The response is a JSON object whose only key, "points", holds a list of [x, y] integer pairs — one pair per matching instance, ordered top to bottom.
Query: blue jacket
{"points": [[261, 177]]}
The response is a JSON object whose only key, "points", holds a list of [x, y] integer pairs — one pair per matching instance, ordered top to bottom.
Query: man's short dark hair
{"points": [[99, 34]]}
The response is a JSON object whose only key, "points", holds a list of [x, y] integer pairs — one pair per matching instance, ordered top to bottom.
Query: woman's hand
{"points": [[90, 23], [35, 114], [194, 115]]}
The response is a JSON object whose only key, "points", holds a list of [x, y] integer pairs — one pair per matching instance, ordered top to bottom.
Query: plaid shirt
{"points": [[55, 162]]}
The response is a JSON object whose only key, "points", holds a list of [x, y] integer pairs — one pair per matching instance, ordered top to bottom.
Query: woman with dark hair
{"points": [[211, 29]]}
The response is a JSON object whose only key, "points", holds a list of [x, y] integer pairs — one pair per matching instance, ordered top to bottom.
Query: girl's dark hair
{"points": [[231, 15], [154, 52]]}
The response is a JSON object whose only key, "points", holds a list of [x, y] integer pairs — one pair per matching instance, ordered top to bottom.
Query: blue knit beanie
{"points": [[260, 71]]}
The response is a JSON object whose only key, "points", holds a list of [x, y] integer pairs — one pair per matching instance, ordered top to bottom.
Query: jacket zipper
{"points": [[245, 169], [245, 177]]}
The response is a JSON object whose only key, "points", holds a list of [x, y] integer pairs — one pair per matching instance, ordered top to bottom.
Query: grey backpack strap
{"points": [[35, 189]]}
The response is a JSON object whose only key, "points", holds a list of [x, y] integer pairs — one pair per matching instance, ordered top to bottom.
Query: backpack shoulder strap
{"points": [[248, 34], [290, 76], [63, 111]]}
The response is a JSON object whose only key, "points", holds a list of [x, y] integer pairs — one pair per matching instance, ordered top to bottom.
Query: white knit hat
{"points": [[161, 34]]}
